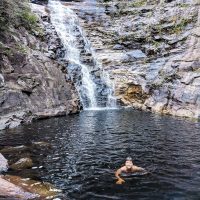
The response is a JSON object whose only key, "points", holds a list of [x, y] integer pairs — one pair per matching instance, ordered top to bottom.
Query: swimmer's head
{"points": [[129, 159], [129, 163]]}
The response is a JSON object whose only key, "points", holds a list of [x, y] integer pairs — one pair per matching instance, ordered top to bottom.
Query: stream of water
{"points": [[66, 24], [74, 41], [86, 149]]}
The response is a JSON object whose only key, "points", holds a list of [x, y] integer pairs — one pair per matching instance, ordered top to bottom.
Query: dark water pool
{"points": [[88, 148]]}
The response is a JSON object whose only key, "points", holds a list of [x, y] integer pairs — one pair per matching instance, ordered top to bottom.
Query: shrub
{"points": [[138, 3], [16, 13], [29, 20]]}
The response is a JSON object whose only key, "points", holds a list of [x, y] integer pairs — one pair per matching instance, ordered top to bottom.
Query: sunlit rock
{"points": [[41, 144], [13, 149], [23, 163], [9, 190], [43, 190]]}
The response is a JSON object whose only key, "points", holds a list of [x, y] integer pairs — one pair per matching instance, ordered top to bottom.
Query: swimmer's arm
{"points": [[138, 169], [117, 173]]}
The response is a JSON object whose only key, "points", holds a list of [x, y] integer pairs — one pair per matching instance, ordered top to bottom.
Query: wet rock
{"points": [[2, 81], [47, 113], [42, 144], [13, 149], [23, 163], [3, 164], [9, 190], [42, 190]]}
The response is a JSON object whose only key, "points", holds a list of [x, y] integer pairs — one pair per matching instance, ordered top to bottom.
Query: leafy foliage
{"points": [[138, 3], [16, 13], [28, 19]]}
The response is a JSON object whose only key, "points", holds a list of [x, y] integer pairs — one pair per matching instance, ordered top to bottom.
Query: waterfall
{"points": [[67, 26], [2, 81], [111, 99]]}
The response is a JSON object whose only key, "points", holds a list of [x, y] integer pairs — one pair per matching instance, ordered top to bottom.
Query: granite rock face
{"points": [[151, 51], [32, 79]]}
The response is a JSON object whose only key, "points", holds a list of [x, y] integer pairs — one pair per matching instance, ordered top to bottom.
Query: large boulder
{"points": [[23, 163], [14, 187], [42, 189], [10, 191]]}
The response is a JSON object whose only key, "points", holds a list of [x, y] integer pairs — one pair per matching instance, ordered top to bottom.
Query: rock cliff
{"points": [[150, 49], [32, 79]]}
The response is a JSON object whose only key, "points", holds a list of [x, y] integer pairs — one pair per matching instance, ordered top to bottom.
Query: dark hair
{"points": [[129, 159]]}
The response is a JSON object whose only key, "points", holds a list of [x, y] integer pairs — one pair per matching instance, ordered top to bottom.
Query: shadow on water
{"points": [[87, 148]]}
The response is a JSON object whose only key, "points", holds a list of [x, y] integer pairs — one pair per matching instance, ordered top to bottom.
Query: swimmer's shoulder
{"points": [[134, 167], [123, 169]]}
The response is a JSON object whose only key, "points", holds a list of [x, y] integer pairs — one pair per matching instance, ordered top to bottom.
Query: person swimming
{"points": [[128, 168]]}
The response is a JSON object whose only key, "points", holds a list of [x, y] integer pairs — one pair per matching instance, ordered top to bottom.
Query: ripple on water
{"points": [[87, 148]]}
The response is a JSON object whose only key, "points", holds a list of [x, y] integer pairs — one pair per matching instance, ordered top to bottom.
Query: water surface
{"points": [[88, 148]]}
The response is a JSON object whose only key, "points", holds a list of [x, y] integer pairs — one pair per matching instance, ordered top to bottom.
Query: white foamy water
{"points": [[66, 24], [69, 30], [2, 78], [111, 99]]}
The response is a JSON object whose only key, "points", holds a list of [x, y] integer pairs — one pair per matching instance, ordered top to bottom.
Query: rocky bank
{"points": [[150, 49], [33, 81], [16, 187]]}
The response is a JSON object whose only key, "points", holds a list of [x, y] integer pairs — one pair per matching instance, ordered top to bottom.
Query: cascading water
{"points": [[66, 24], [74, 41], [111, 99]]}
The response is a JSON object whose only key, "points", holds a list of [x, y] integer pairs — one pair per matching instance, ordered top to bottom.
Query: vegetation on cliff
{"points": [[15, 14], [32, 83]]}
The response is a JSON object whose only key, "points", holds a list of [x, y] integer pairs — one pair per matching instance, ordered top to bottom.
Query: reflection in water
{"points": [[88, 148]]}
